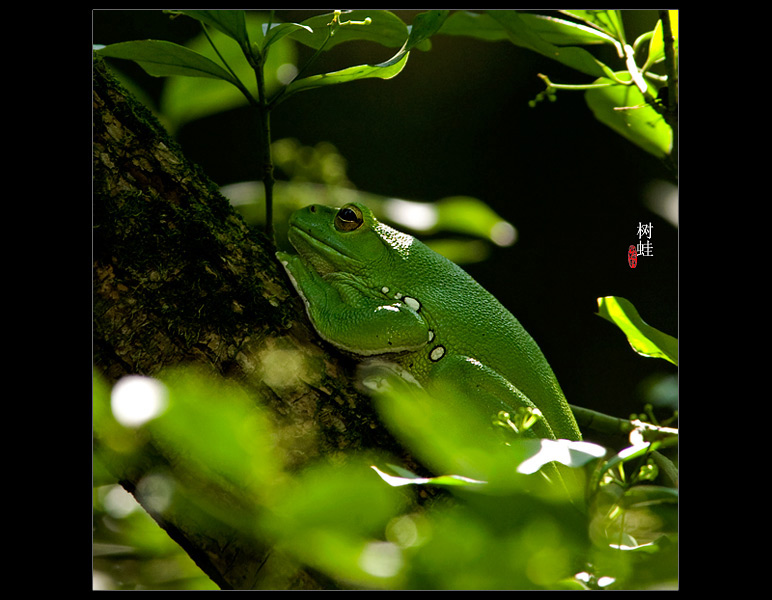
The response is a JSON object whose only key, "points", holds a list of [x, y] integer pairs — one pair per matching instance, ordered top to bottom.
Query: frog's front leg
{"points": [[352, 316], [485, 390]]}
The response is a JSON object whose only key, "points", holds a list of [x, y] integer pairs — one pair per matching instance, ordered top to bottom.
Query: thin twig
{"points": [[265, 125]]}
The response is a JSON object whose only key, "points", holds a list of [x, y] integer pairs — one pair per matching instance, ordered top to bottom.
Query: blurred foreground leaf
{"points": [[360, 526]]}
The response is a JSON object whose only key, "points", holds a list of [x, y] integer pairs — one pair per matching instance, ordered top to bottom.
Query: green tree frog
{"points": [[384, 296]]}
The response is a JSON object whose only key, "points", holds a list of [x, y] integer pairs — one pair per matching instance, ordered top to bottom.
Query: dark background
{"points": [[456, 121]]}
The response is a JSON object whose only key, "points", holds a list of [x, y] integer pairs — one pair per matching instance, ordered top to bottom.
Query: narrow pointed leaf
{"points": [[608, 21], [231, 22], [477, 25], [424, 26], [550, 29], [280, 30], [565, 33], [521, 34], [656, 45], [160, 58], [385, 70], [184, 99], [645, 339]]}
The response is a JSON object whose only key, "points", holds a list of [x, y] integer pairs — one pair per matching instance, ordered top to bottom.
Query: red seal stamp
{"points": [[632, 257]]}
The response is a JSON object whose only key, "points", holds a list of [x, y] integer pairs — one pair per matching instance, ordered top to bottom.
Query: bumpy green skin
{"points": [[385, 296]]}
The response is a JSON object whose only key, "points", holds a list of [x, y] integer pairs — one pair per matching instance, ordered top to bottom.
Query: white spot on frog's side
{"points": [[384, 290], [413, 303], [390, 307], [431, 335], [437, 353]]}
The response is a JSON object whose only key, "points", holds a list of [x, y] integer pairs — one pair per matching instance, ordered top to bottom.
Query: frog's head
{"points": [[348, 239]]}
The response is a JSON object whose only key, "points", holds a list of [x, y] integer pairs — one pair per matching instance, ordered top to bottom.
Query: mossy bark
{"points": [[179, 278]]}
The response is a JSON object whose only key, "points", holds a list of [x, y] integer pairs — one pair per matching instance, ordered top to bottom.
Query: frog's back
{"points": [[471, 322]]}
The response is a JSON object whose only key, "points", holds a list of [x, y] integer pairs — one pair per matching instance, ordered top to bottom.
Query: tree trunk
{"points": [[179, 278]]}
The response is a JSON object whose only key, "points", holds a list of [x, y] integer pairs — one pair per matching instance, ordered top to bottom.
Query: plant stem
{"points": [[257, 62], [567, 86], [279, 96], [264, 107], [264, 110]]}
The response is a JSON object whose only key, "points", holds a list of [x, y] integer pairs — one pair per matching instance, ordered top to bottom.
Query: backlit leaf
{"points": [[384, 28], [521, 34], [385, 70], [624, 109], [645, 339]]}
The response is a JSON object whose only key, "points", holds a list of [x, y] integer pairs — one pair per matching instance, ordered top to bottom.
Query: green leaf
{"points": [[608, 21], [231, 22], [477, 25], [424, 26], [384, 28], [551, 29], [280, 30], [386, 32], [564, 33], [521, 34], [656, 45], [160, 58], [384, 70], [185, 99], [624, 109], [644, 339], [447, 434], [233, 450], [625, 455], [330, 496], [329, 516]]}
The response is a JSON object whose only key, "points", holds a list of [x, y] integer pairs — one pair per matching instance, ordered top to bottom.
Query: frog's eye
{"points": [[348, 218]]}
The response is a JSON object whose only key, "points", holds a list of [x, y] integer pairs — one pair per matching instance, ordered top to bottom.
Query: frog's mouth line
{"points": [[314, 251]]}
